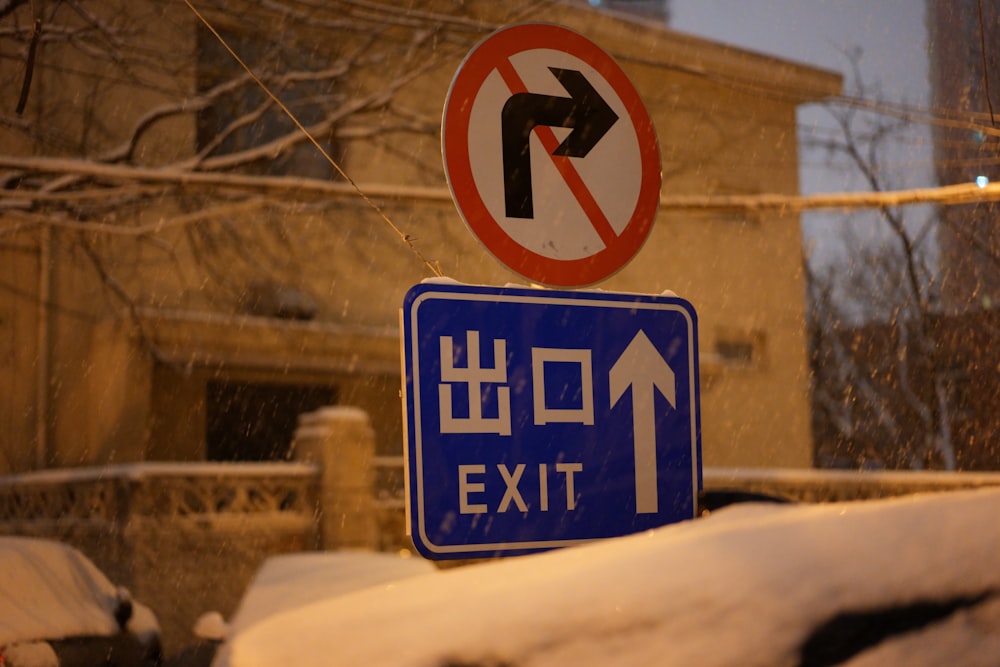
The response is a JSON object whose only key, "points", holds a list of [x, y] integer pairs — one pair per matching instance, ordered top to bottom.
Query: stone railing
{"points": [[821, 486], [63, 497], [390, 503], [187, 537], [184, 538]]}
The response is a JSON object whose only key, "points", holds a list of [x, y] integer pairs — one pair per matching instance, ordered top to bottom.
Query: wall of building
{"points": [[20, 335], [125, 374]]}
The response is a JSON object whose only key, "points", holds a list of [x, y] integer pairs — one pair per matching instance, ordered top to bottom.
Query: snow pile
{"points": [[745, 586]]}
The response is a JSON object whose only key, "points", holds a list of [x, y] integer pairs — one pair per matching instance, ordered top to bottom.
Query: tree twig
{"points": [[29, 67]]}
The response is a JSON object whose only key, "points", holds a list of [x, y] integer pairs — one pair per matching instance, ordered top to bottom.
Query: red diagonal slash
{"points": [[569, 173]]}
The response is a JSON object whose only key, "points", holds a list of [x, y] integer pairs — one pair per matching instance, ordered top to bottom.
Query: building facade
{"points": [[182, 273]]}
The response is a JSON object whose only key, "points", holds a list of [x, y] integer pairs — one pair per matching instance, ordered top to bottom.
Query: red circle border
{"points": [[469, 78]]}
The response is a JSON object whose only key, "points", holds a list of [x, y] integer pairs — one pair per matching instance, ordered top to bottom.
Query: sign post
{"points": [[551, 156], [537, 419]]}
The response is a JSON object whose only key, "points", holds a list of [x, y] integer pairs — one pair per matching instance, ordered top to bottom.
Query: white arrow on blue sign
{"points": [[538, 419]]}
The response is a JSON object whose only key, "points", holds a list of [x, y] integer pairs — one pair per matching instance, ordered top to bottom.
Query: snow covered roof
{"points": [[748, 585]]}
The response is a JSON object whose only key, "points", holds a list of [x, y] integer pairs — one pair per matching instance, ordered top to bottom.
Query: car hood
{"points": [[750, 585], [51, 591]]}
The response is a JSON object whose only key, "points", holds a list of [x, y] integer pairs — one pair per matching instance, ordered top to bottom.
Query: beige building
{"points": [[178, 284]]}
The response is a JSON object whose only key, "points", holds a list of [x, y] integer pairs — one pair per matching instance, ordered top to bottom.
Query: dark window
{"points": [[247, 421]]}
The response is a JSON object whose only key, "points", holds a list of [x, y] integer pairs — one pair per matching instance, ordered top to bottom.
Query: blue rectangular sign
{"points": [[537, 419]]}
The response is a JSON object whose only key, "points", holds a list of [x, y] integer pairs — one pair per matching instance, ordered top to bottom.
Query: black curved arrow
{"points": [[585, 111]]}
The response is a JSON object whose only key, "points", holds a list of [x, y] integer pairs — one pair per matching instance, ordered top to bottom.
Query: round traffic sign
{"points": [[550, 155]]}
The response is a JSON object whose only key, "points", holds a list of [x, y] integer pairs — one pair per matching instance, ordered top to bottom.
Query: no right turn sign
{"points": [[551, 156]]}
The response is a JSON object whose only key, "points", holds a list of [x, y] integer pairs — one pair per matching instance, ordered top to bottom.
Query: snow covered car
{"points": [[911, 582], [286, 583], [57, 609]]}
